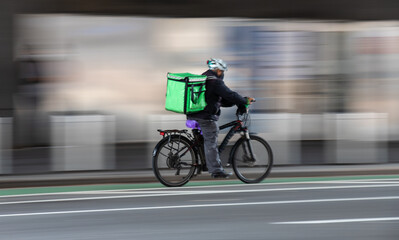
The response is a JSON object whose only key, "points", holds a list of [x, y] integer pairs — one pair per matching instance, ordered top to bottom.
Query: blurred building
{"points": [[324, 73]]}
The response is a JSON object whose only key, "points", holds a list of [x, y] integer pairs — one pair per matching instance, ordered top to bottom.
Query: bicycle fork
{"points": [[247, 148], [249, 156]]}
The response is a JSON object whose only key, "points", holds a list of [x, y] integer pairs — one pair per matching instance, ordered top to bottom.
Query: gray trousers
{"points": [[210, 131]]}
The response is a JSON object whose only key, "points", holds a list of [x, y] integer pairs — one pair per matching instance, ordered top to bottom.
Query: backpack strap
{"points": [[195, 95]]}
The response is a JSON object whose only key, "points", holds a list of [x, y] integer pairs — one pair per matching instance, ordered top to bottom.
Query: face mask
{"points": [[222, 75]]}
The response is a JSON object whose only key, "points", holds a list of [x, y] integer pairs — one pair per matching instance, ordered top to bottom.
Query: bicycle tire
{"points": [[165, 168], [251, 174]]}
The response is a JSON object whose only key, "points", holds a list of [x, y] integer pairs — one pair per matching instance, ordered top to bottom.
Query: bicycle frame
{"points": [[236, 126], [198, 141]]}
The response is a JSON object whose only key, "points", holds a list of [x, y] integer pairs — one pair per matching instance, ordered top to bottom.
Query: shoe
{"points": [[221, 175]]}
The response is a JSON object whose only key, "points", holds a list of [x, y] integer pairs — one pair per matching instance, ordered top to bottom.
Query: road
{"points": [[317, 209]]}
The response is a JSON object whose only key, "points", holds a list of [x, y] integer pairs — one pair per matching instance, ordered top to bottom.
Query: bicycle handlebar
{"points": [[238, 112]]}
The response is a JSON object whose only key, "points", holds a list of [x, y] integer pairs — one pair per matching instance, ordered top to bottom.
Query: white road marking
{"points": [[375, 179], [365, 182], [182, 193], [85, 198], [217, 200], [201, 206], [341, 220]]}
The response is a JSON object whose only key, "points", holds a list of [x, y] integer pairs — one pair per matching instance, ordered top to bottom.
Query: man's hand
{"points": [[250, 100]]}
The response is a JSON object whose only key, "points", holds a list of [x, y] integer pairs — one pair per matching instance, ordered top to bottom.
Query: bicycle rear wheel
{"points": [[174, 161], [251, 168]]}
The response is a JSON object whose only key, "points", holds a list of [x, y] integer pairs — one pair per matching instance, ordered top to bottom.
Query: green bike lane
{"points": [[199, 183]]}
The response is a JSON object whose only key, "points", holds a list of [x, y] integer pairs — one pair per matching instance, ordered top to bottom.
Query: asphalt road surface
{"points": [[328, 210]]}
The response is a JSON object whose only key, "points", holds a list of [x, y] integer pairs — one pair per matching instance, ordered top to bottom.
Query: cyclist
{"points": [[217, 95]]}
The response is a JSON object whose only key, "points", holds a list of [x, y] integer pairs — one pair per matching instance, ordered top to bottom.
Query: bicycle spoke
{"points": [[172, 148], [163, 154], [170, 168]]}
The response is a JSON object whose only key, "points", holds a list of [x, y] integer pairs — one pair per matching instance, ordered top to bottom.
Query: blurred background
{"points": [[83, 85]]}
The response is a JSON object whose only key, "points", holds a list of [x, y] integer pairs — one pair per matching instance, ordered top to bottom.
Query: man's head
{"points": [[217, 65]]}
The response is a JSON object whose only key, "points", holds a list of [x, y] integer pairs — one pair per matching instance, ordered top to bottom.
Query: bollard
{"points": [[283, 132], [356, 138], [82, 142], [5, 145]]}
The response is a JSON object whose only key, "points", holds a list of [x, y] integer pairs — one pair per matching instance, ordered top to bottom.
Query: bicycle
{"points": [[179, 155]]}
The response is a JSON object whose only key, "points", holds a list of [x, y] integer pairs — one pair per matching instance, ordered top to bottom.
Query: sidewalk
{"points": [[147, 176]]}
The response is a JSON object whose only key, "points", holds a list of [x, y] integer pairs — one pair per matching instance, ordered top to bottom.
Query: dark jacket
{"points": [[217, 95]]}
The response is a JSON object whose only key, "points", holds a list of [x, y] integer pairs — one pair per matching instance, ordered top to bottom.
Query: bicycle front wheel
{"points": [[251, 159], [174, 161]]}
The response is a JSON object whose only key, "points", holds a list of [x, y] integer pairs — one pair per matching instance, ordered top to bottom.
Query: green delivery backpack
{"points": [[185, 93]]}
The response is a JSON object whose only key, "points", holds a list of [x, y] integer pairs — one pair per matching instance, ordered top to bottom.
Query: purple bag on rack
{"points": [[193, 124]]}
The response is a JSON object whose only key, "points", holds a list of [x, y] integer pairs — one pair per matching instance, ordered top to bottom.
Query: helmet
{"points": [[215, 63]]}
